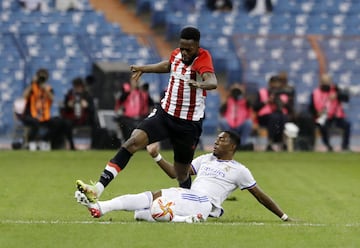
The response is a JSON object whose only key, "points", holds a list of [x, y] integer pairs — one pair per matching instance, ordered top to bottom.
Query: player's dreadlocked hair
{"points": [[190, 33], [234, 137]]}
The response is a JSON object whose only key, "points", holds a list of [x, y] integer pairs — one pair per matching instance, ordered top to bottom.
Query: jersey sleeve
{"points": [[173, 54], [204, 62], [246, 179]]}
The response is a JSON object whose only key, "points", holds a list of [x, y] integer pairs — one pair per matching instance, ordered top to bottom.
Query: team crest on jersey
{"points": [[227, 168]]}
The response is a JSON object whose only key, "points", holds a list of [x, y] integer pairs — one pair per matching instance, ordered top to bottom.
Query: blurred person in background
{"points": [[34, 5], [64, 5], [219, 5], [258, 7], [290, 92], [39, 97], [78, 104], [326, 105], [132, 106], [79, 107], [272, 107], [236, 115]]}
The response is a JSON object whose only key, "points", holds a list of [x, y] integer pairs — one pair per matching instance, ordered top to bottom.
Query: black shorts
{"points": [[184, 135]]}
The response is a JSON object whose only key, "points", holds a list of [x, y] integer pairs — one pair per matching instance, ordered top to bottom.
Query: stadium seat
{"points": [[211, 121]]}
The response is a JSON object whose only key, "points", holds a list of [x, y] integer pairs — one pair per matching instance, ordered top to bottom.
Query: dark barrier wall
{"points": [[108, 78]]}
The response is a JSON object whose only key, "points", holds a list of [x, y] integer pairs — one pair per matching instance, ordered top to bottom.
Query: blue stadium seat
{"points": [[9, 5], [143, 6], [287, 7], [158, 12], [211, 121]]}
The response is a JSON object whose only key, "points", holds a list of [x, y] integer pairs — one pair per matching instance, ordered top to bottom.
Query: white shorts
{"points": [[188, 202]]}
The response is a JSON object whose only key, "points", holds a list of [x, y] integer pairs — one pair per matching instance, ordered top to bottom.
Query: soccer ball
{"points": [[162, 209]]}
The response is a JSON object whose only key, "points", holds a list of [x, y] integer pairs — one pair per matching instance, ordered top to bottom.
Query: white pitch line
{"points": [[64, 222]]}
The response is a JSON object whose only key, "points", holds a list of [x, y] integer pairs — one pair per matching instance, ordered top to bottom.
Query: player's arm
{"points": [[161, 67], [209, 81], [167, 167], [266, 201]]}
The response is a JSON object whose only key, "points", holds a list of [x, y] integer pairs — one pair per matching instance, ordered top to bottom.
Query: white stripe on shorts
{"points": [[192, 197]]}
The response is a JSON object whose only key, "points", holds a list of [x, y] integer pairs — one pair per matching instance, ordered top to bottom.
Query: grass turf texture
{"points": [[37, 207]]}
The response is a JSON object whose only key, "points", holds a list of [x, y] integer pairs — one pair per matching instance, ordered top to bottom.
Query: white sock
{"points": [[99, 189], [128, 202], [143, 214], [178, 218]]}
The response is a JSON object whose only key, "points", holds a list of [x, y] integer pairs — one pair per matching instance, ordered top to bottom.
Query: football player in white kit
{"points": [[217, 176]]}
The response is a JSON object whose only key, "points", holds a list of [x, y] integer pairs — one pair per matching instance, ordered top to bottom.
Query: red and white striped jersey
{"points": [[181, 100]]}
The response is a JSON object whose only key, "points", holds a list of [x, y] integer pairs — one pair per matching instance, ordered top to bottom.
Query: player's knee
{"points": [[138, 140], [182, 174], [181, 177]]}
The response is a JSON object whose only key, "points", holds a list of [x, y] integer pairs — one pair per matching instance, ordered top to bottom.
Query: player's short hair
{"points": [[190, 33], [234, 137]]}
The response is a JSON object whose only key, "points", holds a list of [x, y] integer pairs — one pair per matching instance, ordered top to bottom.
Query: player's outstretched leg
{"points": [[88, 190]]}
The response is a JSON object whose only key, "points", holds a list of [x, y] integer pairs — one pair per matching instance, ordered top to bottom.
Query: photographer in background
{"points": [[289, 90], [39, 97], [78, 104], [133, 104], [272, 107], [79, 108], [327, 109], [236, 115]]}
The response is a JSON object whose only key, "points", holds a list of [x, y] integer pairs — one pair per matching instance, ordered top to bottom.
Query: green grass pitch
{"points": [[321, 190]]}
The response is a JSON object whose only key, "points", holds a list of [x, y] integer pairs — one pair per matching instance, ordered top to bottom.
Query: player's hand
{"points": [[136, 72], [194, 84], [153, 149], [290, 219]]}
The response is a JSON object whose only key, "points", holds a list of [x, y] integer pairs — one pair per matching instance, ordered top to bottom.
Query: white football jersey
{"points": [[218, 178]]}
